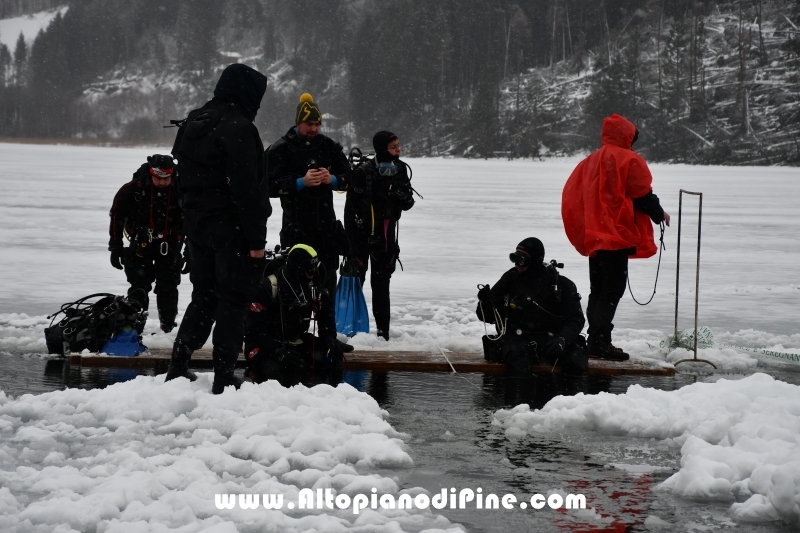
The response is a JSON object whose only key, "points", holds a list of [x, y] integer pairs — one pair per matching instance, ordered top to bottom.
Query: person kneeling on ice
{"points": [[146, 210], [537, 313], [277, 342]]}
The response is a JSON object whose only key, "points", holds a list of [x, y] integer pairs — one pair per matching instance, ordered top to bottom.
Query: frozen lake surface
{"points": [[54, 223], [53, 233]]}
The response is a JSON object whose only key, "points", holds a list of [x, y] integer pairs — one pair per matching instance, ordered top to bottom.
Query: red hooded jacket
{"points": [[597, 202]]}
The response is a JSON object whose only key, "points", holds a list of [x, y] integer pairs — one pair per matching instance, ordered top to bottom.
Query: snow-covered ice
{"points": [[54, 220], [740, 438], [149, 456]]}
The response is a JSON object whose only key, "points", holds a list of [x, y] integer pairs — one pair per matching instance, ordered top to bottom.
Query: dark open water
{"points": [[453, 444]]}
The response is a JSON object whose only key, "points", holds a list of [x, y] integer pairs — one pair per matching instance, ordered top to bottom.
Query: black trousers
{"points": [[383, 256], [146, 265], [608, 275], [224, 278]]}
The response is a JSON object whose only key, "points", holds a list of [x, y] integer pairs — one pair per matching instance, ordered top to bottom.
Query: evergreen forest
{"points": [[706, 82]]}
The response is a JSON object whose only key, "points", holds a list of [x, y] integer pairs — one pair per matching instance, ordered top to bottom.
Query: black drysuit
{"points": [[226, 204], [373, 208], [308, 215], [153, 221], [535, 307], [278, 343]]}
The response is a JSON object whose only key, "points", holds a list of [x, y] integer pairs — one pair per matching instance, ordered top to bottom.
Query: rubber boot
{"points": [[166, 321], [382, 324], [601, 348], [179, 364], [224, 365]]}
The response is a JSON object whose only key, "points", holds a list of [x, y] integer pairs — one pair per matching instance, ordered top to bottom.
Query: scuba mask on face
{"points": [[387, 169], [520, 259], [310, 267]]}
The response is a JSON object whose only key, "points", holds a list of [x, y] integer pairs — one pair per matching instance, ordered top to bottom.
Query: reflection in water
{"points": [[312, 376], [536, 391], [453, 444]]}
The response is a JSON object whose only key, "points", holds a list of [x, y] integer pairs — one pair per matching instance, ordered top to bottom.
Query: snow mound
{"points": [[740, 438], [150, 456]]}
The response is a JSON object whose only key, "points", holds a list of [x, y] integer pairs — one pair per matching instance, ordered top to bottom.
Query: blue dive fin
{"points": [[351, 307]]}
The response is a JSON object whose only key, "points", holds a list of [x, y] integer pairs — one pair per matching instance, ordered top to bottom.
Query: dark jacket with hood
{"points": [[220, 156], [141, 209], [308, 214], [537, 302]]}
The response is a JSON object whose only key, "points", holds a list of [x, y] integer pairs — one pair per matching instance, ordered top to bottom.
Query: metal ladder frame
{"points": [[696, 280]]}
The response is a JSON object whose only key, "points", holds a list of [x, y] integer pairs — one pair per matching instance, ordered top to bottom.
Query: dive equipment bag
{"points": [[90, 322]]}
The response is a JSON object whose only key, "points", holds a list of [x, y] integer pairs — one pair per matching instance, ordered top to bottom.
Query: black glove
{"points": [[407, 203], [117, 260], [349, 266], [485, 294], [554, 347], [334, 353], [291, 359]]}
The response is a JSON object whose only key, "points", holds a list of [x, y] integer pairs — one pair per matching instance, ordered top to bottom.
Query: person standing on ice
{"points": [[303, 168], [379, 193], [226, 204], [606, 206], [146, 209], [537, 313]]}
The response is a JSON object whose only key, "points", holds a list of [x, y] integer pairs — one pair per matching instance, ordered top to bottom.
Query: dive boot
{"points": [[346, 348], [607, 351], [179, 364], [224, 365], [224, 379]]}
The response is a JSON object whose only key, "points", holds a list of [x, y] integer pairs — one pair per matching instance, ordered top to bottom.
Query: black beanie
{"points": [[242, 85], [307, 110], [380, 141], [160, 161], [534, 248]]}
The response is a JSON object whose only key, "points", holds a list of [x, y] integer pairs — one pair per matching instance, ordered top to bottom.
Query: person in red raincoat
{"points": [[606, 207]]}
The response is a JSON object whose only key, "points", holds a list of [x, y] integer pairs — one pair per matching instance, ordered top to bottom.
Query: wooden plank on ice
{"points": [[157, 359]]}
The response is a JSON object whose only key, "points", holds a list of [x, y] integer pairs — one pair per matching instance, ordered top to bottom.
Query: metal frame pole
{"points": [[697, 275]]}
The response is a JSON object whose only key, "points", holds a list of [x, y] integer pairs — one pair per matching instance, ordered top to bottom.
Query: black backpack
{"points": [[90, 324]]}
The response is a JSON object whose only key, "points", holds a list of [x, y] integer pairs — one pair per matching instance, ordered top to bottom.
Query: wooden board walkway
{"points": [[377, 361]]}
